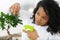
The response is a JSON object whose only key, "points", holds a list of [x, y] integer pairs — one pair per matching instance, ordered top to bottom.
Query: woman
{"points": [[47, 12]]}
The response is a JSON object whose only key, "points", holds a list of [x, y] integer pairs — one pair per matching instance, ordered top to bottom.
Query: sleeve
{"points": [[43, 34], [24, 36]]}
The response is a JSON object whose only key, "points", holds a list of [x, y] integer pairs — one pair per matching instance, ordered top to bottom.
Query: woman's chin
{"points": [[40, 24]]}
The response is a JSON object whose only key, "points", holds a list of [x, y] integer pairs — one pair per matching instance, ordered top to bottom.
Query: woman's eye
{"points": [[38, 14], [44, 18]]}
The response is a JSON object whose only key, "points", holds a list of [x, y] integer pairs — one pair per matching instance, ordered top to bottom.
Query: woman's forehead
{"points": [[41, 11]]}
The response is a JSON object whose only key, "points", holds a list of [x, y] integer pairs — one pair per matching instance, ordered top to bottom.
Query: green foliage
{"points": [[9, 19]]}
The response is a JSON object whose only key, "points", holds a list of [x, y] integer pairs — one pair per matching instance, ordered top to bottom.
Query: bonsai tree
{"points": [[10, 20]]}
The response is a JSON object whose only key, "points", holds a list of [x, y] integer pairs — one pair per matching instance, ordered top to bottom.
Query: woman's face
{"points": [[41, 18]]}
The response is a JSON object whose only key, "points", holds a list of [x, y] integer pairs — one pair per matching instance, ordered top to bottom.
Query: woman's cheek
{"points": [[36, 17], [36, 21], [44, 22]]}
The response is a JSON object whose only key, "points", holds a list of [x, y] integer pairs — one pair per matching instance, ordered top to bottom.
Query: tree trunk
{"points": [[9, 35]]}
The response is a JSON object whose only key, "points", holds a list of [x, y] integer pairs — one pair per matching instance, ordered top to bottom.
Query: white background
{"points": [[26, 5]]}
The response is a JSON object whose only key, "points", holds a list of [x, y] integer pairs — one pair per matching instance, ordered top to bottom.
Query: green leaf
{"points": [[9, 19]]}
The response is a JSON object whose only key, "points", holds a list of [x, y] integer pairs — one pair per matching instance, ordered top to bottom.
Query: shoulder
{"points": [[42, 32], [54, 37]]}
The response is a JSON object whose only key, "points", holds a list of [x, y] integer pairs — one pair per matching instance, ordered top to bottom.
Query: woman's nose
{"points": [[39, 19]]}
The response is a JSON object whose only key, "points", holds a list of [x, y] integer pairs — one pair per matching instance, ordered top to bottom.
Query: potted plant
{"points": [[10, 20]]}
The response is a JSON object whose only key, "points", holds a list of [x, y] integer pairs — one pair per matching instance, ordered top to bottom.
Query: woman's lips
{"points": [[38, 23]]}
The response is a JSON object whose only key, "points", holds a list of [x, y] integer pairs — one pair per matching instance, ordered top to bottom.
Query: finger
{"points": [[26, 31]]}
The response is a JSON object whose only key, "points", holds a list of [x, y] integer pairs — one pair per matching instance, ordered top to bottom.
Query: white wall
{"points": [[25, 4]]}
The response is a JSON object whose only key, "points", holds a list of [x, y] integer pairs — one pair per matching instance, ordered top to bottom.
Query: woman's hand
{"points": [[15, 8], [32, 35]]}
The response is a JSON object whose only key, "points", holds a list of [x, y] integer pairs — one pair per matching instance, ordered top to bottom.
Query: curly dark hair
{"points": [[52, 9]]}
